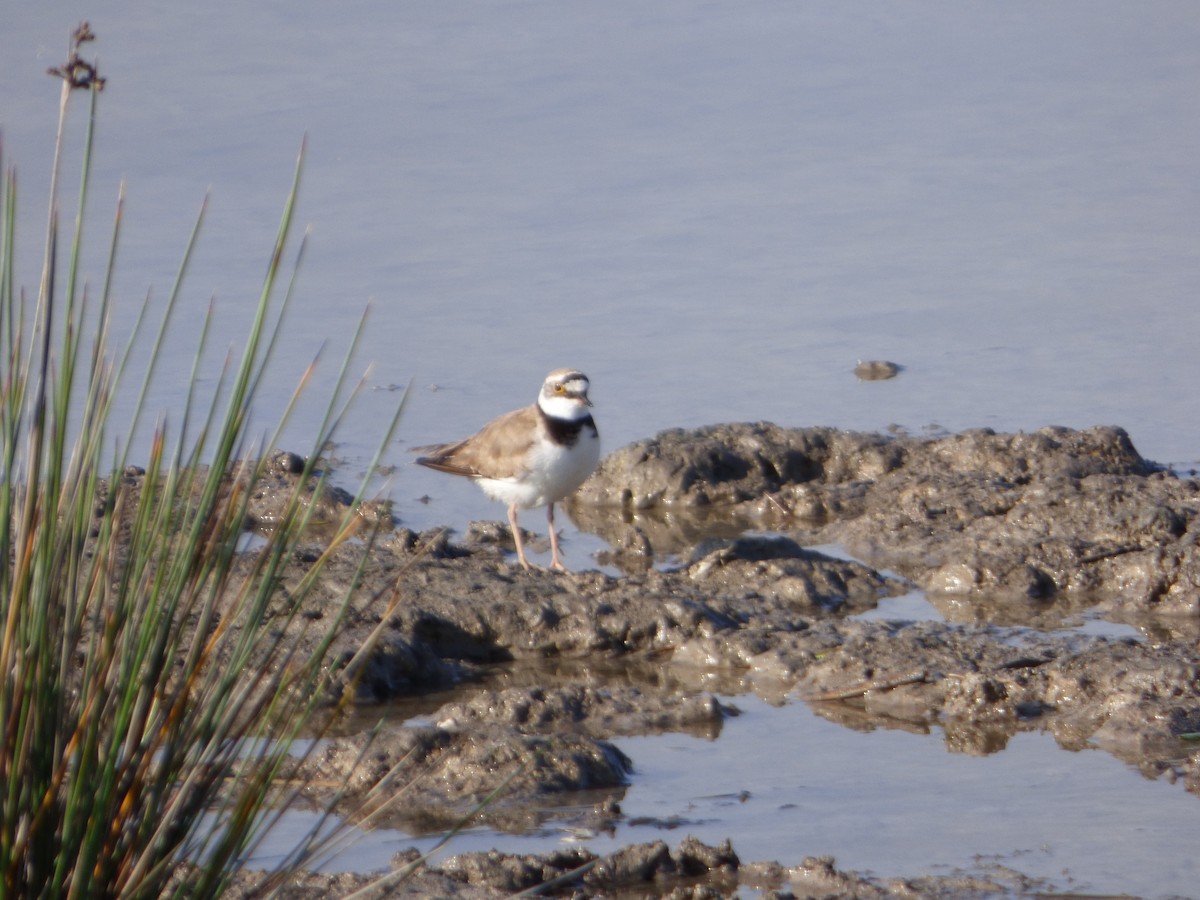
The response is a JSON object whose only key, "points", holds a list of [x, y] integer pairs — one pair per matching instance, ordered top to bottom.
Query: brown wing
{"points": [[498, 450]]}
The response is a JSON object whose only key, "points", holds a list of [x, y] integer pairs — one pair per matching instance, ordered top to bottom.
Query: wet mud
{"points": [[720, 592]]}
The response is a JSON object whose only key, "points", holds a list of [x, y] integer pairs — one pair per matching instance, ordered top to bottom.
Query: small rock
{"points": [[876, 370]]}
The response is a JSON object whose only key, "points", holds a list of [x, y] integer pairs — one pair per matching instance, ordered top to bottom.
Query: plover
{"points": [[530, 457]]}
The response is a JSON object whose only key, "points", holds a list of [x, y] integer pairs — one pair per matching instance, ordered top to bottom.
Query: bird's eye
{"points": [[560, 389]]}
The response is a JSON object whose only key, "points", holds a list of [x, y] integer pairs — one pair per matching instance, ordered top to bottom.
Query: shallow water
{"points": [[715, 213], [785, 783], [1080, 820]]}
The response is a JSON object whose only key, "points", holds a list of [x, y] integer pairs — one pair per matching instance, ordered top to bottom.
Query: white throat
{"points": [[571, 409]]}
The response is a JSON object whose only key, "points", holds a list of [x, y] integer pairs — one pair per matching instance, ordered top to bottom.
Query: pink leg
{"points": [[516, 533], [556, 562]]}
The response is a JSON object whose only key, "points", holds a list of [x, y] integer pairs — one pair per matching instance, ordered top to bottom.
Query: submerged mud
{"points": [[1002, 529], [690, 870]]}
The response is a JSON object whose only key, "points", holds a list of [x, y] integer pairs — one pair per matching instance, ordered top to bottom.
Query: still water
{"points": [[713, 211], [784, 783]]}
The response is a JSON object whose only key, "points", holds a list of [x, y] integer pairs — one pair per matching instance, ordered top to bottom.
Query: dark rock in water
{"points": [[876, 370], [284, 462], [725, 464], [1035, 515], [779, 568], [609, 711], [461, 770], [631, 870], [509, 873]]}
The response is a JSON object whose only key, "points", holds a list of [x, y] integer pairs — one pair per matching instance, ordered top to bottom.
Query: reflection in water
{"points": [[667, 532], [671, 537], [1065, 610], [893, 797]]}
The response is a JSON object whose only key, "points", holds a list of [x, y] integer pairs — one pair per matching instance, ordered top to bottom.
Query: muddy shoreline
{"points": [[1001, 530]]}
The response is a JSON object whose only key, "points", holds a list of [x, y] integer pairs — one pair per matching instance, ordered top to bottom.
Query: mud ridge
{"points": [[1000, 529]]}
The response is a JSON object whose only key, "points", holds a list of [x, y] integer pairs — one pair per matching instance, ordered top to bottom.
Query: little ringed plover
{"points": [[530, 457]]}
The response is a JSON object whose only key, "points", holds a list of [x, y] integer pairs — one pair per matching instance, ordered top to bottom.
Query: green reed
{"points": [[152, 693]]}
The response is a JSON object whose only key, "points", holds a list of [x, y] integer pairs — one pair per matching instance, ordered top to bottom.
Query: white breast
{"points": [[552, 472]]}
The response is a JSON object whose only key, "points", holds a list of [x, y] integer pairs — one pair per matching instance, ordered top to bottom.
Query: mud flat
{"points": [[1000, 530]]}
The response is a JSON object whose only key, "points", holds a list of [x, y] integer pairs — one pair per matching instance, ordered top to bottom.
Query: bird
{"points": [[530, 457]]}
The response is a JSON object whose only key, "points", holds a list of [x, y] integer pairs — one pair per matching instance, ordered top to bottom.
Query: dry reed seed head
{"points": [[76, 71]]}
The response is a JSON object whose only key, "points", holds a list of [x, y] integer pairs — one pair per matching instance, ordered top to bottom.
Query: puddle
{"points": [[911, 607], [917, 607], [1061, 615], [1094, 626], [784, 783]]}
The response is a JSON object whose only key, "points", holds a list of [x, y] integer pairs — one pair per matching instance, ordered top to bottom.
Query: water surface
{"points": [[715, 213], [785, 783]]}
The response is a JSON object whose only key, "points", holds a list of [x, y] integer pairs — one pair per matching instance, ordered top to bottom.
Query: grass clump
{"points": [[152, 691]]}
